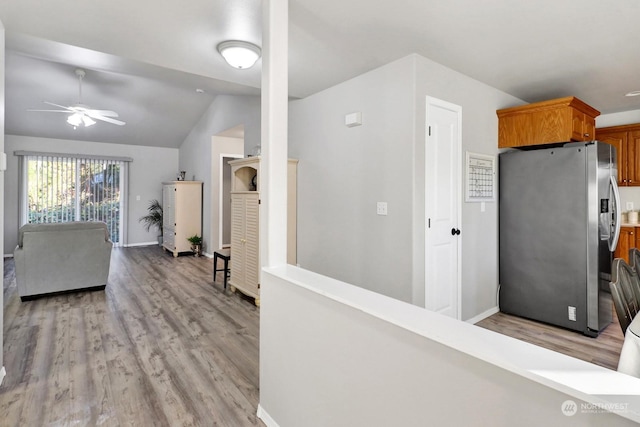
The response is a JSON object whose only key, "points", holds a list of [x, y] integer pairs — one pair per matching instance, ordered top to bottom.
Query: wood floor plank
{"points": [[163, 345], [603, 350], [89, 378], [38, 390], [57, 406]]}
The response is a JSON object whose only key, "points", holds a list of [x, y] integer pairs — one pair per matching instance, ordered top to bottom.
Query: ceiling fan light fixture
{"points": [[239, 54], [79, 119], [74, 120], [88, 121]]}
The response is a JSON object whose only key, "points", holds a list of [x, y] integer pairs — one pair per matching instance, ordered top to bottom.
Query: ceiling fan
{"points": [[81, 114]]}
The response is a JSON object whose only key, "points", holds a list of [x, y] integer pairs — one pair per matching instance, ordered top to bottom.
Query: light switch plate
{"points": [[629, 206], [381, 208]]}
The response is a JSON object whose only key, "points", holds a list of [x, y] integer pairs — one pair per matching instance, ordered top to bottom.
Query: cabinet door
{"points": [[577, 124], [582, 126], [589, 128], [618, 140], [633, 158], [168, 206], [168, 217], [237, 238], [169, 239], [627, 241], [251, 244]]}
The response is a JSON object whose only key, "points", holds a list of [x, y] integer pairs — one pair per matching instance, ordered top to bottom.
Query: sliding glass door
{"points": [[62, 189]]}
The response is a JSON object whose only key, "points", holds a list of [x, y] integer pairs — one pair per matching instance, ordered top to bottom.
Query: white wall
{"points": [[615, 119], [196, 152], [149, 168], [344, 171], [2, 192], [479, 235], [332, 354]]}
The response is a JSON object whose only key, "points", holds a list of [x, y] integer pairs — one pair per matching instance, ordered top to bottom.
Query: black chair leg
{"points": [[215, 265], [226, 272]]}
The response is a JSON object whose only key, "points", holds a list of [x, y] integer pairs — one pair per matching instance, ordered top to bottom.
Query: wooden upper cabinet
{"points": [[547, 122], [626, 139], [618, 140]]}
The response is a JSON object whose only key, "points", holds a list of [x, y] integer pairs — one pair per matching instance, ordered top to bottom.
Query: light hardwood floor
{"points": [[162, 345], [165, 346], [603, 350]]}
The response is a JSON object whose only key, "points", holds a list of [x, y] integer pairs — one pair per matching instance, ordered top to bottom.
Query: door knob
{"points": [[455, 231]]}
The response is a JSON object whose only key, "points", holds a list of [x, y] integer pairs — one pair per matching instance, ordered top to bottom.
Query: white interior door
{"points": [[442, 207]]}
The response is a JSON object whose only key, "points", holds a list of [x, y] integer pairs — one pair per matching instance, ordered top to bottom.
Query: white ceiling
{"points": [[145, 59]]}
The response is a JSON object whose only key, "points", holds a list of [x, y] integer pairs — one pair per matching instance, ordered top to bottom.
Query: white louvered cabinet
{"points": [[181, 214], [245, 219], [245, 260]]}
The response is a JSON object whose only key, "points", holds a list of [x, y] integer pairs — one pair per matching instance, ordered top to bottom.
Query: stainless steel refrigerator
{"points": [[559, 224]]}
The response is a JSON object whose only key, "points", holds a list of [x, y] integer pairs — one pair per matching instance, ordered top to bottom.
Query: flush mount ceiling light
{"points": [[239, 54], [633, 93]]}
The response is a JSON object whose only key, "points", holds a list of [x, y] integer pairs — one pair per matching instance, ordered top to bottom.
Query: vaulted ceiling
{"points": [[145, 59]]}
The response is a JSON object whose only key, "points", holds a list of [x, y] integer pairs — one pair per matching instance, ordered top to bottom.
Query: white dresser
{"points": [[181, 214]]}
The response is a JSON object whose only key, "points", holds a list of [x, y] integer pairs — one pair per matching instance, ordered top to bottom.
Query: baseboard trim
{"points": [[133, 245], [207, 254], [483, 316], [3, 373], [266, 418]]}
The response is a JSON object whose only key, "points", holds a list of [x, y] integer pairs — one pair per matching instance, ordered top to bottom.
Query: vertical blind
{"points": [[63, 188]]}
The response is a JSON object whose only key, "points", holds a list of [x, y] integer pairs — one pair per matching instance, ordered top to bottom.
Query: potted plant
{"points": [[153, 218], [196, 244]]}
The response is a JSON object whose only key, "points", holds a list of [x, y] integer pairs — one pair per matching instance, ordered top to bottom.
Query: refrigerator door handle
{"points": [[616, 214]]}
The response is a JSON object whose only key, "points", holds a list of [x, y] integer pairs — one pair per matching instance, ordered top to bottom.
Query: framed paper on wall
{"points": [[480, 178]]}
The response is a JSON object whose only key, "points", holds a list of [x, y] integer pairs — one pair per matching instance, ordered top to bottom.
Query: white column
{"points": [[2, 36], [273, 173]]}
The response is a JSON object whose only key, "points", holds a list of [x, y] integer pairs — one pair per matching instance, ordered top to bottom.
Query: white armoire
{"points": [[181, 214], [245, 219]]}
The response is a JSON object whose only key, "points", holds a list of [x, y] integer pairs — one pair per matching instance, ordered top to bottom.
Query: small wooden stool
{"points": [[225, 254]]}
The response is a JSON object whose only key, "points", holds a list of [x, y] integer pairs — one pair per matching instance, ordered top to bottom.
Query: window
{"points": [[63, 188]]}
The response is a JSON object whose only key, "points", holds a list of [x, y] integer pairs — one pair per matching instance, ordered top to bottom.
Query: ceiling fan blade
{"points": [[60, 106], [49, 111], [105, 113], [108, 120]]}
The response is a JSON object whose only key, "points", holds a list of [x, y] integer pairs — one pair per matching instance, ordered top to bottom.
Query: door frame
{"points": [[221, 194], [458, 196]]}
